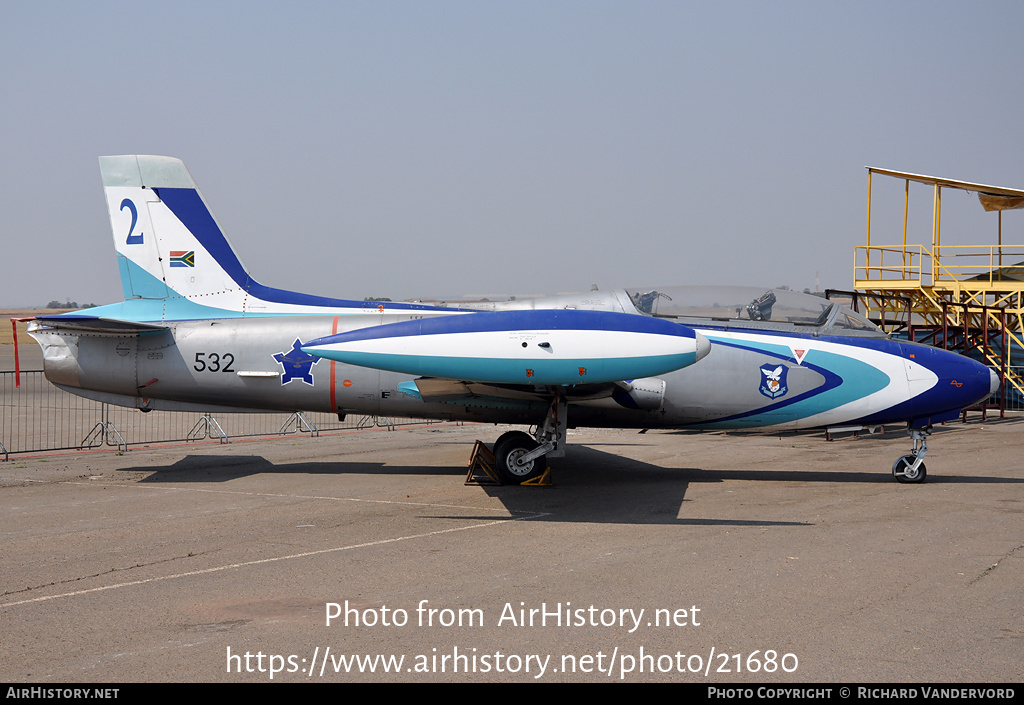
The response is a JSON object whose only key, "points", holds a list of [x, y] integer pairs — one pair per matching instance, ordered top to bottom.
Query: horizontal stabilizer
{"points": [[95, 324]]}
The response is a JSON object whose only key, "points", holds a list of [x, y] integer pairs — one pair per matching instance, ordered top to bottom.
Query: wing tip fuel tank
{"points": [[557, 347]]}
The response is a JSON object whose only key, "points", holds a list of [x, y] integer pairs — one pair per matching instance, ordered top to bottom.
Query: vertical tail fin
{"points": [[168, 244], [174, 260]]}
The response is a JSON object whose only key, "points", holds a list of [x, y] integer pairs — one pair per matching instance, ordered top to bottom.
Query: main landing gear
{"points": [[519, 458], [910, 468]]}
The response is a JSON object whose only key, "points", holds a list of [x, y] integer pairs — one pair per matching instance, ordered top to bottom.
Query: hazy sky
{"points": [[452, 148]]}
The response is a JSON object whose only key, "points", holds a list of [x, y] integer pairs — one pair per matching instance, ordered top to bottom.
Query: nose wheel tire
{"points": [[508, 449], [901, 467]]}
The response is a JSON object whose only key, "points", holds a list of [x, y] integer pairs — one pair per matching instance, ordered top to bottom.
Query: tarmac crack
{"points": [[995, 565], [105, 572]]}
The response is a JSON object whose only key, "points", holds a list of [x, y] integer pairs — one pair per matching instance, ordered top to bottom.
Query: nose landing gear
{"points": [[910, 468]]}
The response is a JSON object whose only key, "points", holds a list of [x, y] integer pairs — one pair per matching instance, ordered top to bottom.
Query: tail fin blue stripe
{"points": [[189, 208]]}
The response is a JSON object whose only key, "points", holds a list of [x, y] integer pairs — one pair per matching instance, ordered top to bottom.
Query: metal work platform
{"points": [[963, 297]]}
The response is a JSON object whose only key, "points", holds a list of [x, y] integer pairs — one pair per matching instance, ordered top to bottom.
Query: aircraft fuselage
{"points": [[750, 379]]}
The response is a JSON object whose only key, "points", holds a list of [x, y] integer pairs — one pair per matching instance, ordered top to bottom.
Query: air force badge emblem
{"points": [[296, 364], [773, 381]]}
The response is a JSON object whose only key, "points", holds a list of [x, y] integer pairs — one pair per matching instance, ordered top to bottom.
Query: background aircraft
{"points": [[196, 332]]}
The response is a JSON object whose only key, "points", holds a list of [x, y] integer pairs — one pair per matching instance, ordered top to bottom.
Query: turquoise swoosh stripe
{"points": [[176, 307], [173, 308], [503, 371], [858, 380]]}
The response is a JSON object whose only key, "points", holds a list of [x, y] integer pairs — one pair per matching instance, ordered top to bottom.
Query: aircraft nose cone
{"points": [[993, 382]]}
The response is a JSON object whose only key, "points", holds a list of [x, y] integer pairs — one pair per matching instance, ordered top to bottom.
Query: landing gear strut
{"points": [[519, 458], [910, 468]]}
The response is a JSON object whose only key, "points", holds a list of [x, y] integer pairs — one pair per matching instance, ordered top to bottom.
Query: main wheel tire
{"points": [[508, 435], [507, 449], [899, 468]]}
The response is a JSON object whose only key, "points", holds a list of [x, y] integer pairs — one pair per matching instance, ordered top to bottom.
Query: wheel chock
{"points": [[482, 461], [543, 480]]}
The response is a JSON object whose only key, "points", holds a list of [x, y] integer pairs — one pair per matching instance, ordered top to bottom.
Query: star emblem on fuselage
{"points": [[297, 364]]}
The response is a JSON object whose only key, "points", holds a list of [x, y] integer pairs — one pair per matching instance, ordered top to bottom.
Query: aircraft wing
{"points": [[646, 394]]}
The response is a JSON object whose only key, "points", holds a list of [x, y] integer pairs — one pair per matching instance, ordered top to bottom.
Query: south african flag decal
{"points": [[181, 258]]}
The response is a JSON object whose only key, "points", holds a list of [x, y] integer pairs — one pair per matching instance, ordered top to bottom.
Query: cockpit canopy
{"points": [[738, 305]]}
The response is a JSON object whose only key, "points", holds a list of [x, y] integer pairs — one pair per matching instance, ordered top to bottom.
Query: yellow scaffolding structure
{"points": [[966, 297]]}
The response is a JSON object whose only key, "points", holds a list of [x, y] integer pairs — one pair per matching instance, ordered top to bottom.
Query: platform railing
{"points": [[1000, 266]]}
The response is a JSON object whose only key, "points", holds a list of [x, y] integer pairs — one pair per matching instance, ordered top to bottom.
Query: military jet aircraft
{"points": [[196, 332]]}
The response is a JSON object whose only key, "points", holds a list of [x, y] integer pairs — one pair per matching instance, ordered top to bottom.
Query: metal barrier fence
{"points": [[1014, 400], [38, 416]]}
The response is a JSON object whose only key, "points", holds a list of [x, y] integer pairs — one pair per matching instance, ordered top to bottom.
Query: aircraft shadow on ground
{"points": [[224, 468], [584, 469], [590, 485]]}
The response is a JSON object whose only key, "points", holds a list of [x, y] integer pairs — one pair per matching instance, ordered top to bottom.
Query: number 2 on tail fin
{"points": [[132, 239]]}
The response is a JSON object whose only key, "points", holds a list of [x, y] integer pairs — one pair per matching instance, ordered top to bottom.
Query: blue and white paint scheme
{"points": [[196, 331], [558, 347], [874, 381]]}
